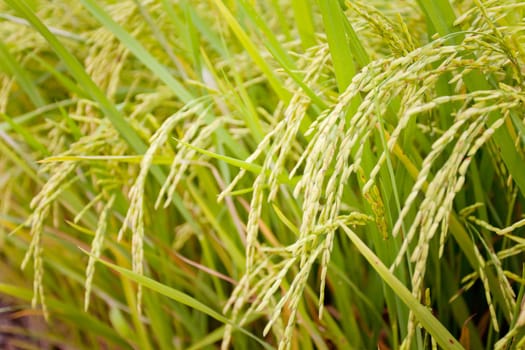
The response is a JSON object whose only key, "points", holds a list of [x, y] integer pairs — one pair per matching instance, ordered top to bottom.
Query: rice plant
{"points": [[290, 174]]}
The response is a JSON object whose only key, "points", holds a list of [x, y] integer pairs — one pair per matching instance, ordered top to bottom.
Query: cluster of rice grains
{"points": [[92, 135], [356, 136], [100, 138], [337, 143]]}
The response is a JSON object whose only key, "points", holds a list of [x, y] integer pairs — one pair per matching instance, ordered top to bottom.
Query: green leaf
{"points": [[334, 23], [253, 51], [24, 80], [180, 297], [63, 310], [423, 315]]}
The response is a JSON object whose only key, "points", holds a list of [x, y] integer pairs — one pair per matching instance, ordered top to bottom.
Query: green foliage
{"points": [[278, 174]]}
